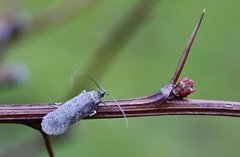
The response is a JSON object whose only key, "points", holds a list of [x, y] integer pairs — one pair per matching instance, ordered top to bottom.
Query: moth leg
{"points": [[84, 91], [103, 103], [56, 105], [93, 113]]}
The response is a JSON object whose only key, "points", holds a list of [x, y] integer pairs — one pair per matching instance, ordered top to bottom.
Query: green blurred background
{"points": [[142, 66]]}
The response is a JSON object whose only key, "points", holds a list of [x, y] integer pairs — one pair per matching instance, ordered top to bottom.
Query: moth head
{"points": [[101, 92]]}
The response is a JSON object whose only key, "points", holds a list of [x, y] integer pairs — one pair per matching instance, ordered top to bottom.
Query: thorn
{"points": [[204, 10], [186, 50]]}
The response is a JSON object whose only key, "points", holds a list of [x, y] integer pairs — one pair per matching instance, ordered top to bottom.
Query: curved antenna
{"points": [[86, 74], [91, 78], [124, 115]]}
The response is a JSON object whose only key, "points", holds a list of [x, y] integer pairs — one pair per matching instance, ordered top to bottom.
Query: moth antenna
{"points": [[86, 74], [91, 78], [103, 102], [123, 113]]}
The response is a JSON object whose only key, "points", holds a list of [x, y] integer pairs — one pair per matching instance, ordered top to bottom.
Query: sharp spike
{"points": [[186, 50]]}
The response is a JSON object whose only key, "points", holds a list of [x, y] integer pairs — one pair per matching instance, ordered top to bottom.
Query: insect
{"points": [[83, 105]]}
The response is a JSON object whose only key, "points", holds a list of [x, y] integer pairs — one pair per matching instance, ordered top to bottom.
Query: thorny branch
{"points": [[163, 102], [31, 114]]}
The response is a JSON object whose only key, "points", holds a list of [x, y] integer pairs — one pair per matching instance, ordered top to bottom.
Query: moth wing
{"points": [[55, 124]]}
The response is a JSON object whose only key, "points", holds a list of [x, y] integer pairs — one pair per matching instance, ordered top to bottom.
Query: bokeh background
{"points": [[142, 64]]}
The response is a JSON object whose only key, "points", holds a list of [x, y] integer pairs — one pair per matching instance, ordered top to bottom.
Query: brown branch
{"points": [[32, 114], [47, 144]]}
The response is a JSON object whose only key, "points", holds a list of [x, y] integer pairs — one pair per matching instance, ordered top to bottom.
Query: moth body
{"points": [[58, 121]]}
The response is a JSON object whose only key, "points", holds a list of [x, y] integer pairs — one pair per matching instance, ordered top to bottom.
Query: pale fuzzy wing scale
{"points": [[90, 100], [58, 121], [55, 125]]}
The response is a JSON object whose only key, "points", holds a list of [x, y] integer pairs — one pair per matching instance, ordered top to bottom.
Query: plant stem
{"points": [[32, 114], [47, 144]]}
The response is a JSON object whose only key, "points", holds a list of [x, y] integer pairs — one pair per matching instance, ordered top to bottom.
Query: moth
{"points": [[83, 105], [58, 121]]}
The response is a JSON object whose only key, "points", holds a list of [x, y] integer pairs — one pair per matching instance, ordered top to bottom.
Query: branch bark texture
{"points": [[32, 114]]}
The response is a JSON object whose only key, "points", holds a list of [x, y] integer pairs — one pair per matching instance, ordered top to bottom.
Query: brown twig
{"points": [[29, 114], [47, 144]]}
